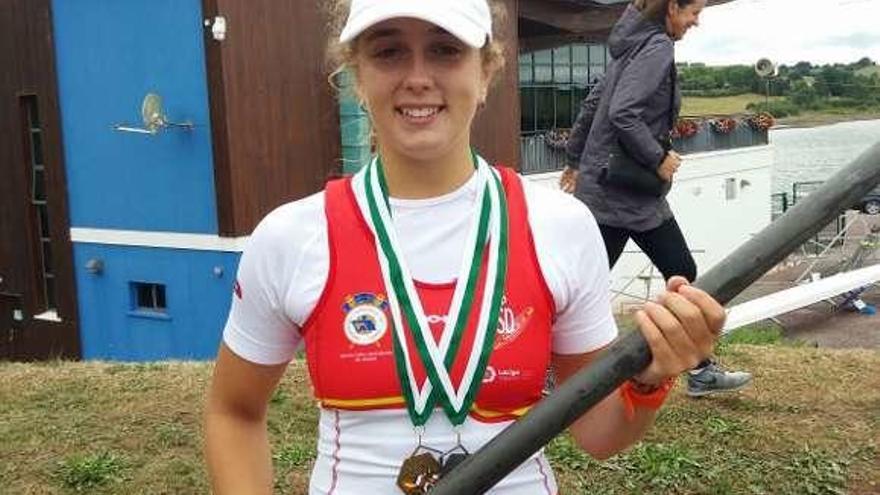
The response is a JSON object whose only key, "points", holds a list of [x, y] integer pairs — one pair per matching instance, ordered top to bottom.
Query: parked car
{"points": [[870, 204]]}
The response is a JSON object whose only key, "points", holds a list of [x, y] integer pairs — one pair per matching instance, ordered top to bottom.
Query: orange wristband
{"points": [[652, 400]]}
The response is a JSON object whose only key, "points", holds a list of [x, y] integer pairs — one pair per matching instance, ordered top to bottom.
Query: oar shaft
{"points": [[630, 354]]}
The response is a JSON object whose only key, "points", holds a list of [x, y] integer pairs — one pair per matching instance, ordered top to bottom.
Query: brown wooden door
{"points": [[274, 118], [36, 267]]}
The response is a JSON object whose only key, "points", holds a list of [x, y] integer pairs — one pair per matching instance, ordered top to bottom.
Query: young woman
{"points": [[634, 108], [431, 291]]}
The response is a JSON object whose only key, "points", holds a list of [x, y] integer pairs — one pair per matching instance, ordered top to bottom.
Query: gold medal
{"points": [[418, 474]]}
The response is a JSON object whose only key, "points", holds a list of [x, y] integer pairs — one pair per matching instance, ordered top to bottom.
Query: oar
{"points": [[630, 354]]}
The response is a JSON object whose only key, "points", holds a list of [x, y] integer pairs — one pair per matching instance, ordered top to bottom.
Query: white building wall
{"points": [[720, 199]]}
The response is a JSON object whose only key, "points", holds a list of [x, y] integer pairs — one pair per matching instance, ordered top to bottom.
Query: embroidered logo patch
{"points": [[365, 321]]}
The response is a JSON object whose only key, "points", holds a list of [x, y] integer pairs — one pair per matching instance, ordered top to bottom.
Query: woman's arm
{"points": [[634, 92], [577, 140], [681, 329], [603, 431], [236, 441]]}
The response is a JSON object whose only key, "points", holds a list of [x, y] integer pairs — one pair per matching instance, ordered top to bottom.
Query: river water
{"points": [[813, 154]]}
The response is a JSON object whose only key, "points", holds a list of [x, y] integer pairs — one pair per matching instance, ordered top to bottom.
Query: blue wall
{"points": [[109, 54], [197, 302]]}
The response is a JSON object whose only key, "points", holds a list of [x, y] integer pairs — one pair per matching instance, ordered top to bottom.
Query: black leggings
{"points": [[665, 247]]}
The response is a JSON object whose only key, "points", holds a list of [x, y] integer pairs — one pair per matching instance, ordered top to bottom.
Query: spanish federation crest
{"points": [[365, 321]]}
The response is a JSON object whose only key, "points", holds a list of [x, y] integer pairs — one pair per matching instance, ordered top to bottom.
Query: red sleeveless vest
{"points": [[349, 335]]}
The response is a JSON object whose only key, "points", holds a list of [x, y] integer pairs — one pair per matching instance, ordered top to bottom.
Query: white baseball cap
{"points": [[468, 20]]}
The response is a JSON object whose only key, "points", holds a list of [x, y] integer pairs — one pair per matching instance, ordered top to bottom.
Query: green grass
{"points": [[733, 105], [697, 106], [764, 333], [810, 424], [84, 473]]}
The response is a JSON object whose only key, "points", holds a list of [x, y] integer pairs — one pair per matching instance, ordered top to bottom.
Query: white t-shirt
{"points": [[282, 274]]}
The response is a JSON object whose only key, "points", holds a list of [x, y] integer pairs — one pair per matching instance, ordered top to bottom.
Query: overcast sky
{"points": [[786, 31]]}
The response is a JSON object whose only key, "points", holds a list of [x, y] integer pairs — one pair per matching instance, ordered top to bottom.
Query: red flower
{"points": [[762, 121], [724, 125], [685, 128], [557, 138]]}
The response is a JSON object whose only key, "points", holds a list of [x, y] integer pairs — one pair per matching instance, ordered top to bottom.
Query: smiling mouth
{"points": [[420, 115]]}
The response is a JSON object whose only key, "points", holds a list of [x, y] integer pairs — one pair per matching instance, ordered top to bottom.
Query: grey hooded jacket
{"points": [[637, 111]]}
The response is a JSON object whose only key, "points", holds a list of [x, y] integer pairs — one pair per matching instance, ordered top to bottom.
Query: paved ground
{"points": [[826, 324]]}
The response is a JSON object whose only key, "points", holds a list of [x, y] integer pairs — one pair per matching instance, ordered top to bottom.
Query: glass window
{"points": [[579, 54], [562, 55], [597, 55], [543, 57], [525, 58], [543, 73], [596, 73], [525, 74], [562, 74], [580, 74], [579, 94], [564, 102], [545, 108], [527, 109], [33, 112], [37, 147], [39, 184], [43, 214], [47, 255], [50, 291], [148, 297]]}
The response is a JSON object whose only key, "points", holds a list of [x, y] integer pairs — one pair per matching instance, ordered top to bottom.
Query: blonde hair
{"points": [[343, 56]]}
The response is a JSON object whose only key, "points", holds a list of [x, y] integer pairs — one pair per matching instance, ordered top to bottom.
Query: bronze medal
{"points": [[418, 474]]}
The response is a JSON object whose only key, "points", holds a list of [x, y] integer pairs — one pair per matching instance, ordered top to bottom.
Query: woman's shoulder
{"points": [[659, 44], [550, 208], [291, 223]]}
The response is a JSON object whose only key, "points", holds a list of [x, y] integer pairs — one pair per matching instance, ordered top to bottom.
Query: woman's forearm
{"points": [[605, 430], [238, 455]]}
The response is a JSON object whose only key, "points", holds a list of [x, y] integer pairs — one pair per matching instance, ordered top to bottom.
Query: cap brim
{"points": [[467, 31]]}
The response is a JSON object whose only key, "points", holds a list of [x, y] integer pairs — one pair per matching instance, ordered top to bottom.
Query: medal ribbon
{"points": [[489, 229]]}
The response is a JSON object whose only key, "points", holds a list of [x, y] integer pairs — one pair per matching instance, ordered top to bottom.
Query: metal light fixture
{"points": [[154, 118]]}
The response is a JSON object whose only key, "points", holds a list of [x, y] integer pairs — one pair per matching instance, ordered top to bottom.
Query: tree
{"points": [[864, 62], [801, 69], [803, 94]]}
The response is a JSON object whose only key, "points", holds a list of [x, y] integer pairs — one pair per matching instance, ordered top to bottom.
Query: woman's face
{"points": [[680, 19], [421, 86]]}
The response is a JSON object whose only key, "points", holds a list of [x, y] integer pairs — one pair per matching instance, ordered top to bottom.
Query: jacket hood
{"points": [[630, 31]]}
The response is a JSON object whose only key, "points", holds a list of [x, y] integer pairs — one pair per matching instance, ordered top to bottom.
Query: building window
{"points": [[554, 82], [40, 234], [148, 297]]}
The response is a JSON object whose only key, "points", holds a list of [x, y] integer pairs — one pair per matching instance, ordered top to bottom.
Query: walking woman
{"points": [[630, 115], [431, 291]]}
